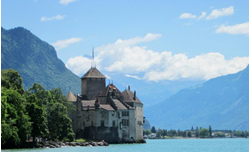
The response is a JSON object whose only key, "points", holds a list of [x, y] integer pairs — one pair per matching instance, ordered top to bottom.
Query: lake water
{"points": [[161, 145]]}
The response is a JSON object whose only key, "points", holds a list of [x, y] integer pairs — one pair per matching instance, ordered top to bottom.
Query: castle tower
{"points": [[93, 82]]}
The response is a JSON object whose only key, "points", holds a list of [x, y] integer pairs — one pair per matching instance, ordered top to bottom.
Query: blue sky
{"points": [[145, 40]]}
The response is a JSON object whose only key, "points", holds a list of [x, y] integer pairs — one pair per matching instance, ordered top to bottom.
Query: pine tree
{"points": [[210, 131]]}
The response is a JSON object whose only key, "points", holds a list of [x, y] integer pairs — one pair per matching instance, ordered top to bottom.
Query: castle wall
{"points": [[92, 86], [139, 120]]}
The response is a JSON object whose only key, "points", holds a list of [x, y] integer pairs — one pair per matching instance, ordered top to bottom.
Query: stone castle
{"points": [[105, 113]]}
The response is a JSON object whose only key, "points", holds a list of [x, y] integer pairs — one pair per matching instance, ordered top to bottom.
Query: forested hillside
{"points": [[36, 61]]}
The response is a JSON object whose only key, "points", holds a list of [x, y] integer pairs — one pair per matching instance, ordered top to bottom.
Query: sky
{"points": [[145, 40]]}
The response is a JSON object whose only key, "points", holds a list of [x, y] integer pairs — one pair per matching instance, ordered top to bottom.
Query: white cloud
{"points": [[66, 2], [221, 12], [203, 14], [187, 15], [58, 17], [235, 29], [60, 44], [126, 57], [79, 64], [205, 66], [133, 76]]}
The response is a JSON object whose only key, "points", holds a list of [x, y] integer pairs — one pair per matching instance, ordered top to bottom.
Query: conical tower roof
{"points": [[93, 73], [70, 96]]}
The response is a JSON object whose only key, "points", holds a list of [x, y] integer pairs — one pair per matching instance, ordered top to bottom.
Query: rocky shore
{"points": [[51, 144]]}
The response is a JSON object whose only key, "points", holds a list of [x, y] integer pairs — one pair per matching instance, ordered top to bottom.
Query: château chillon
{"points": [[105, 113]]}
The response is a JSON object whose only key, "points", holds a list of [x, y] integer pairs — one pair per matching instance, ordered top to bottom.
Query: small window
{"points": [[125, 122], [83, 123], [102, 123], [113, 123], [92, 124]]}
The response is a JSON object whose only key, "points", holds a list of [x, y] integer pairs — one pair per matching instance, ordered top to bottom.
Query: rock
{"points": [[100, 143], [106, 144], [51, 146]]}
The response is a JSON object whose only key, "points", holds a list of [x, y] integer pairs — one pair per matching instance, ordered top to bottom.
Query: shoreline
{"points": [[199, 138]]}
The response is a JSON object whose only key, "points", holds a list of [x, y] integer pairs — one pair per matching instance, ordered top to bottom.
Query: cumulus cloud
{"points": [[66, 2], [221, 12], [203, 14], [187, 15], [57, 17], [235, 29], [60, 44], [125, 56], [79, 64], [205, 66]]}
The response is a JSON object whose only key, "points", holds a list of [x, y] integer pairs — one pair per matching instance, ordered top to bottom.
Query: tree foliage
{"points": [[11, 79], [32, 113], [38, 117], [15, 121], [59, 123], [153, 130], [210, 131], [204, 132]]}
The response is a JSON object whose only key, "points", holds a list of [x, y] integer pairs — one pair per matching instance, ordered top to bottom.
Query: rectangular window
{"points": [[125, 113], [125, 122], [83, 123], [113, 123], [92, 124]]}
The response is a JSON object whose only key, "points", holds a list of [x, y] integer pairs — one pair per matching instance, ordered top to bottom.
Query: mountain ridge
{"points": [[35, 60], [221, 102]]}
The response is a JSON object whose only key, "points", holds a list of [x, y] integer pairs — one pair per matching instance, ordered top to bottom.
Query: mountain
{"points": [[36, 61], [150, 92], [222, 102]]}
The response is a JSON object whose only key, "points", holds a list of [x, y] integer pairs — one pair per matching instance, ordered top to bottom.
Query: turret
{"points": [[92, 83]]}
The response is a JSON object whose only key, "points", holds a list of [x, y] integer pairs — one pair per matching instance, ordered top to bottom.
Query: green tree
{"points": [[11, 79], [41, 94], [58, 96], [38, 117], [15, 119], [60, 126], [192, 128], [153, 130], [210, 131], [147, 132], [164, 132], [174, 132], [178, 132], [197, 132], [204, 132], [159, 133], [239, 133], [184, 134], [189, 134], [219, 134], [246, 134]]}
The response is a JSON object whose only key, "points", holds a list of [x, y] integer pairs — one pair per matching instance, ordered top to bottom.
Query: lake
{"points": [[161, 145]]}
